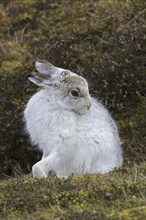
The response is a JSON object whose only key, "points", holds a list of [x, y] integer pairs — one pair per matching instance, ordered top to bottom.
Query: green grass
{"points": [[104, 41], [120, 194]]}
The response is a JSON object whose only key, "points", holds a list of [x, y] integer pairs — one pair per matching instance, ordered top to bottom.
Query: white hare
{"points": [[75, 133]]}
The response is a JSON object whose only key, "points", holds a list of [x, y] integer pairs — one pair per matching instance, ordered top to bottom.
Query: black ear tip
{"points": [[29, 75]]}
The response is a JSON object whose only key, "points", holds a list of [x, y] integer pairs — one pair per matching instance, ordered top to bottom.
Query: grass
{"points": [[104, 41], [120, 194]]}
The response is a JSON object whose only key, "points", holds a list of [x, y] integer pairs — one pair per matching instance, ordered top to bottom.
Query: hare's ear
{"points": [[45, 67], [44, 73], [37, 79]]}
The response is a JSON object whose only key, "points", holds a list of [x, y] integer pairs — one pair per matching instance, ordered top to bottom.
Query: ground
{"points": [[104, 41]]}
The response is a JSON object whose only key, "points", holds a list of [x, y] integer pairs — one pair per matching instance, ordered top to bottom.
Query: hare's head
{"points": [[70, 90]]}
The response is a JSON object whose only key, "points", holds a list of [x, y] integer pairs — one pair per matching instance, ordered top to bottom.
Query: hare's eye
{"points": [[74, 93]]}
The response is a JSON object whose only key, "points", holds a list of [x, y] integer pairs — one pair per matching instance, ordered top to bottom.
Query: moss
{"points": [[10, 66], [111, 196], [136, 213]]}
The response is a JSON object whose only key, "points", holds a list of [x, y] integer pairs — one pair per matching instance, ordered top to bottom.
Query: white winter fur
{"points": [[76, 134]]}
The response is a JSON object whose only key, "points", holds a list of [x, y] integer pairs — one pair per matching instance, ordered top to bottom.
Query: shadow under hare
{"points": [[74, 131]]}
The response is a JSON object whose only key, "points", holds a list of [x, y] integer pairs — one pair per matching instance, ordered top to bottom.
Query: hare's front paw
{"points": [[38, 172]]}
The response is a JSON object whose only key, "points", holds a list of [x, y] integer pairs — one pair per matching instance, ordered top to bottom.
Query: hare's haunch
{"points": [[75, 133]]}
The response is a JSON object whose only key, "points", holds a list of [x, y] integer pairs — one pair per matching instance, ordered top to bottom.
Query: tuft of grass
{"points": [[104, 41], [120, 194]]}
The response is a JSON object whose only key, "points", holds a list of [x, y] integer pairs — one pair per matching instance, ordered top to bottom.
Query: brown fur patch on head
{"points": [[65, 73], [72, 79], [76, 80]]}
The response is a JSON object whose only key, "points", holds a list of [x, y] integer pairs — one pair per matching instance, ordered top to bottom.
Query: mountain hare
{"points": [[75, 133]]}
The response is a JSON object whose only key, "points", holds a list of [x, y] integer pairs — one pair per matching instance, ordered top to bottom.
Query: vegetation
{"points": [[103, 40], [117, 195]]}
